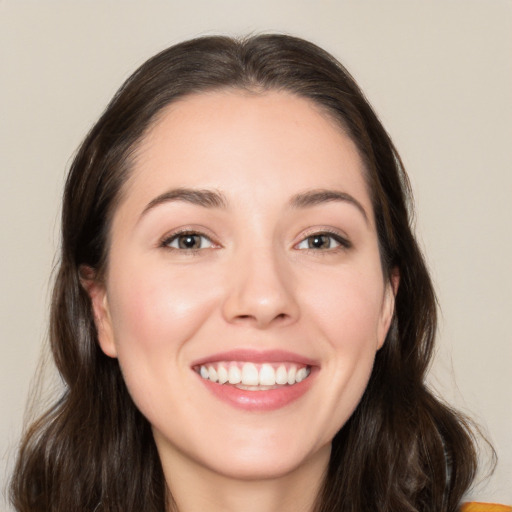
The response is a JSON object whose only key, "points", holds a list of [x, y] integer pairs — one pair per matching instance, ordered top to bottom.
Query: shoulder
{"points": [[484, 507]]}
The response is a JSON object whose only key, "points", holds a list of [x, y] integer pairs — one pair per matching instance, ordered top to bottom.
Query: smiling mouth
{"points": [[254, 376]]}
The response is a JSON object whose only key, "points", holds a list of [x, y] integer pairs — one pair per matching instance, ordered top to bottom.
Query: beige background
{"points": [[439, 74]]}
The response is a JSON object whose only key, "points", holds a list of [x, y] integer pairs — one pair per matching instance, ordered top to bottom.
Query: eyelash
{"points": [[168, 240], [342, 243]]}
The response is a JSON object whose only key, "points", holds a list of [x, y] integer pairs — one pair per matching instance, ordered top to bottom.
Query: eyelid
{"points": [[340, 238], [165, 240]]}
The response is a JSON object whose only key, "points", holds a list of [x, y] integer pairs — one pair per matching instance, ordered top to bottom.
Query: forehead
{"points": [[244, 141]]}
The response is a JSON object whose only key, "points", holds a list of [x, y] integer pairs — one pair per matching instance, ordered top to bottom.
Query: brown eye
{"points": [[188, 241], [319, 242], [323, 242]]}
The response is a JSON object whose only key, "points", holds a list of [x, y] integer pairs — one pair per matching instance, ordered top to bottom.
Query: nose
{"points": [[261, 291]]}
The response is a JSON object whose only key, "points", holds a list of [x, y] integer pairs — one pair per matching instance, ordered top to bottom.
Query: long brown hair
{"points": [[402, 450]]}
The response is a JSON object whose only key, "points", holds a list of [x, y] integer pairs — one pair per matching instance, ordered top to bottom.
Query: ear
{"points": [[98, 294], [388, 306]]}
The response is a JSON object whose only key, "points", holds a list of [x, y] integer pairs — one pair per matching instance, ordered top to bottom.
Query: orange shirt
{"points": [[484, 507]]}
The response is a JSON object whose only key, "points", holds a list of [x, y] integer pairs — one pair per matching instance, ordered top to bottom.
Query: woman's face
{"points": [[244, 247]]}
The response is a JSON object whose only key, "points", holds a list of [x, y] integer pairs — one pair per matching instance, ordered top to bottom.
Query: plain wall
{"points": [[438, 73]]}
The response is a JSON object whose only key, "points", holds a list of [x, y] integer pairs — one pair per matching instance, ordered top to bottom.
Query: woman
{"points": [[241, 315]]}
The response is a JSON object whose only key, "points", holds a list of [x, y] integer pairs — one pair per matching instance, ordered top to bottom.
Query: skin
{"points": [[254, 283]]}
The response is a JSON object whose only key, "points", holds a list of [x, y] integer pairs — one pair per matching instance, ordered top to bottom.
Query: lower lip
{"points": [[263, 400]]}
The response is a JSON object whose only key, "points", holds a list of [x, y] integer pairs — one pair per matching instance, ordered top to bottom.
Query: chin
{"points": [[264, 463]]}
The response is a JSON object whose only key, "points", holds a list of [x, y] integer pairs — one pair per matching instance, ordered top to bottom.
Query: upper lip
{"points": [[256, 356]]}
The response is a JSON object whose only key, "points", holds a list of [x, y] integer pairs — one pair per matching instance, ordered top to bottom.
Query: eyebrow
{"points": [[320, 196], [205, 198], [215, 199]]}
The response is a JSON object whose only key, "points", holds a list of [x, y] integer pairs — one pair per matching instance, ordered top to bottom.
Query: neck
{"points": [[195, 487]]}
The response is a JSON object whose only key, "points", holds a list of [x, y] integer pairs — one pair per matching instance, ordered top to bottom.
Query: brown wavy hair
{"points": [[401, 451]]}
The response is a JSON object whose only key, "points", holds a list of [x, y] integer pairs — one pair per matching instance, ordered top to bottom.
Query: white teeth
{"points": [[222, 373], [213, 374], [235, 375], [281, 375], [291, 375], [301, 375], [250, 376], [265, 376]]}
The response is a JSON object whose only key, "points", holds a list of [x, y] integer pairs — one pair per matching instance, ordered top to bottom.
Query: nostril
{"points": [[279, 317]]}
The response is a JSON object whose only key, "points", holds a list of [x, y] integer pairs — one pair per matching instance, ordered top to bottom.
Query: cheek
{"points": [[347, 307], [157, 309], [342, 311], [154, 314]]}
